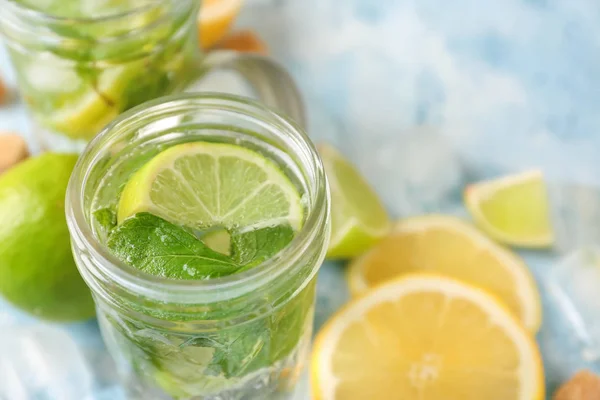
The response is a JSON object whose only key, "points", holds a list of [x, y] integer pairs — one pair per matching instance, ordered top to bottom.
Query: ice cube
{"points": [[49, 73], [417, 170], [575, 215], [573, 286], [42, 362], [302, 391], [112, 393]]}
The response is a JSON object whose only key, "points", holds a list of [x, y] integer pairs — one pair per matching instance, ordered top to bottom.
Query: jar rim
{"points": [[41, 16], [24, 28], [186, 291]]}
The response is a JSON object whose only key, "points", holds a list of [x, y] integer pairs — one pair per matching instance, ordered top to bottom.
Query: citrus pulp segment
{"points": [[203, 185], [358, 218]]}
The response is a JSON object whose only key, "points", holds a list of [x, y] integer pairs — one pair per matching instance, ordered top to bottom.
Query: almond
{"points": [[244, 41], [3, 92], [12, 150], [584, 385]]}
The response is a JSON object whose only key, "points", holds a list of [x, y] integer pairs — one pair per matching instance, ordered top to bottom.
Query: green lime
{"points": [[87, 114], [203, 185], [513, 209], [358, 218], [219, 241], [37, 271]]}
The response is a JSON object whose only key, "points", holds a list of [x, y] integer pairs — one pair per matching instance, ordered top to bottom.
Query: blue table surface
{"points": [[425, 96]]}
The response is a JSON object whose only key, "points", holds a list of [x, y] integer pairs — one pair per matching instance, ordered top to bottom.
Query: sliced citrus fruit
{"points": [[215, 19], [86, 115], [203, 185], [513, 209], [358, 218], [219, 241], [451, 247], [427, 338]]}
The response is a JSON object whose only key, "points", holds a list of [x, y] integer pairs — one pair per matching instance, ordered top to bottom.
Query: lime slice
{"points": [[85, 116], [203, 185], [513, 209], [358, 217], [219, 241]]}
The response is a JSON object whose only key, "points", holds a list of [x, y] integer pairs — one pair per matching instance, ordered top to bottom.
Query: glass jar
{"points": [[79, 66], [244, 336]]}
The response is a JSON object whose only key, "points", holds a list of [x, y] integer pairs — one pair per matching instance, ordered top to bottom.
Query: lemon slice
{"points": [[215, 19], [203, 185], [513, 209], [358, 218], [448, 246], [427, 338]]}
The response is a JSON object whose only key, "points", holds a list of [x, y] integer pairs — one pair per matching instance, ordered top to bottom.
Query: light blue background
{"points": [[494, 87]]}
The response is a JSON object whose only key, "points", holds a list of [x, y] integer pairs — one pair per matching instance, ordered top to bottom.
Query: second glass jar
{"points": [[78, 69]]}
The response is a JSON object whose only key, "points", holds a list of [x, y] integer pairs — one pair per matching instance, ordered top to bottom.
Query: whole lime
{"points": [[37, 270]]}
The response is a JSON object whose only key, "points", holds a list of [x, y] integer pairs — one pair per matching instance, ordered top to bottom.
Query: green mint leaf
{"points": [[88, 73], [155, 83], [106, 219], [158, 247], [253, 247], [237, 350], [211, 359]]}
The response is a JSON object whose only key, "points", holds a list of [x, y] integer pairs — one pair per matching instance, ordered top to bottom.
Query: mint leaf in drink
{"points": [[156, 83], [106, 219], [158, 247], [253, 247], [237, 350]]}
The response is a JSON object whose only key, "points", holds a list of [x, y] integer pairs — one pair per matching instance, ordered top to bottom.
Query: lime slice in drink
{"points": [[86, 115], [202, 185], [513, 209], [358, 217], [219, 241]]}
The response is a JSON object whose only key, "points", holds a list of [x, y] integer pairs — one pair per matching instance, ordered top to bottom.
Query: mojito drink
{"points": [[80, 63], [216, 215]]}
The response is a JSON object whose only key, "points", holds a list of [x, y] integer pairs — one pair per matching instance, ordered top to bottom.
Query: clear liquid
{"points": [[93, 71], [260, 359], [179, 376]]}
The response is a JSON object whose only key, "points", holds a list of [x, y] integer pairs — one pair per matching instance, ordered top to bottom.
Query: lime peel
{"points": [[513, 209], [359, 219]]}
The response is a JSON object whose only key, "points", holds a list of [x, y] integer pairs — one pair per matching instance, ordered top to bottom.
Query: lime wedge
{"points": [[86, 115], [203, 185], [513, 209], [359, 219], [219, 241]]}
